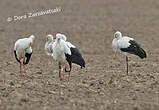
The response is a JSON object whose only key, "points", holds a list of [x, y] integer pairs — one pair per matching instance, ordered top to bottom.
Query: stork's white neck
{"points": [[49, 42], [57, 42]]}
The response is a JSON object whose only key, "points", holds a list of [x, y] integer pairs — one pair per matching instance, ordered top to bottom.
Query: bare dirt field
{"points": [[88, 24]]}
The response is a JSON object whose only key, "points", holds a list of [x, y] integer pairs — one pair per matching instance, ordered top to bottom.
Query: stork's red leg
{"points": [[127, 65], [64, 66], [25, 71], [60, 71]]}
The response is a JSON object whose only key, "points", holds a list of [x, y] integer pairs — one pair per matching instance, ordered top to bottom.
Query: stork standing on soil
{"points": [[49, 45], [127, 45], [59, 50], [62, 50], [23, 51], [75, 56]]}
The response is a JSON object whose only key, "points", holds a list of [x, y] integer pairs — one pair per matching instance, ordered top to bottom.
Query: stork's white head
{"points": [[117, 35], [62, 36], [32, 37], [58, 37], [49, 38]]}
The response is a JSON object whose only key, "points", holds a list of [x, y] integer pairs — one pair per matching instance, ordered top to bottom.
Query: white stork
{"points": [[48, 45], [127, 45], [59, 50], [23, 51], [62, 51], [75, 56]]}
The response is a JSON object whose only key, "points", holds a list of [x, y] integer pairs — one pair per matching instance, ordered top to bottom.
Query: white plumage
{"points": [[61, 36], [65, 39], [120, 41], [124, 42], [49, 45], [70, 45], [127, 45], [23, 46], [57, 49], [23, 50], [62, 50]]}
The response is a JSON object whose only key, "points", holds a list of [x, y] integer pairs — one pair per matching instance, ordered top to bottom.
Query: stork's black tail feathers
{"points": [[135, 49], [141, 53], [16, 56], [28, 56], [75, 58]]}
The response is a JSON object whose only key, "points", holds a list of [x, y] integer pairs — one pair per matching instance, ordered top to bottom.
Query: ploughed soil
{"points": [[90, 25]]}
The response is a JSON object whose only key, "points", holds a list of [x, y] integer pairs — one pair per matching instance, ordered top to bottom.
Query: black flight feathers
{"points": [[135, 49], [16, 56], [28, 56], [75, 58]]}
